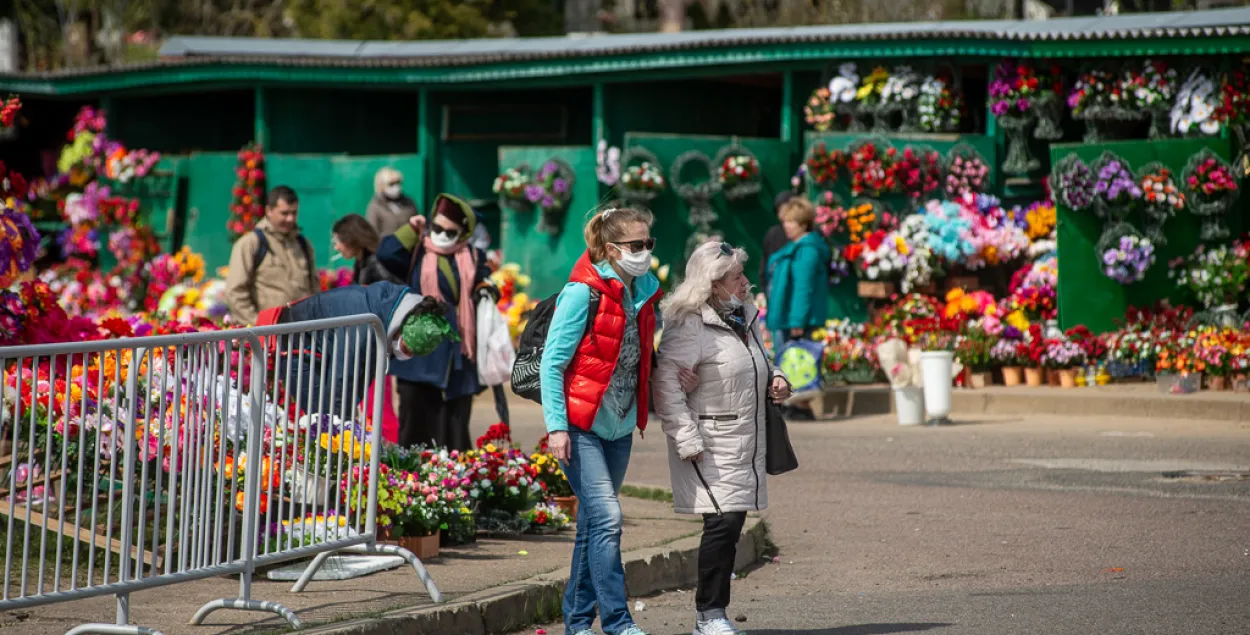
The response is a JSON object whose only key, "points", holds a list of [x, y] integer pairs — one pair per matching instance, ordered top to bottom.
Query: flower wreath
{"points": [[941, 103], [818, 112], [871, 163], [822, 164], [966, 171], [738, 172], [919, 172], [643, 182], [1072, 183], [510, 187], [551, 189], [1116, 189], [1211, 189], [696, 193], [1162, 198], [248, 206], [1124, 254]]}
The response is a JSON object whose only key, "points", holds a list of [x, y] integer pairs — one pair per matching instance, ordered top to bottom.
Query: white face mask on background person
{"points": [[393, 191], [442, 241], [635, 263], [732, 303]]}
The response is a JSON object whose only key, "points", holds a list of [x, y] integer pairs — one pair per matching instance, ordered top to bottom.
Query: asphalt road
{"points": [[993, 527]]}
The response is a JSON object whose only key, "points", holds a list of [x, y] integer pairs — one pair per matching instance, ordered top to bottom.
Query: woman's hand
{"points": [[417, 222], [796, 333], [688, 379], [780, 389], [560, 445], [696, 458]]}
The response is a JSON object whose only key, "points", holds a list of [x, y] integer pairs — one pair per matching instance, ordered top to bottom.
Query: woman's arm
{"points": [[395, 251], [568, 324], [680, 347]]}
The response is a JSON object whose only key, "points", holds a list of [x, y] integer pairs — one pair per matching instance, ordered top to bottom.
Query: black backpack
{"points": [[262, 250], [525, 375]]}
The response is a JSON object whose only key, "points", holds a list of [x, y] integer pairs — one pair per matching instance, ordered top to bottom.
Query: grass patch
{"points": [[647, 493]]}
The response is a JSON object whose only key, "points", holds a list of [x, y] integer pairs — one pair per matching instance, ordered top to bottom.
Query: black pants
{"points": [[424, 417], [717, 552]]}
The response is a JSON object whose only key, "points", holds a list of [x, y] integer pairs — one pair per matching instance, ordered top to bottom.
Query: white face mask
{"points": [[393, 191], [442, 241], [636, 263], [732, 303]]}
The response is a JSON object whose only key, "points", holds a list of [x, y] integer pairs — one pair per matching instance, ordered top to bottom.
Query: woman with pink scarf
{"points": [[436, 391]]}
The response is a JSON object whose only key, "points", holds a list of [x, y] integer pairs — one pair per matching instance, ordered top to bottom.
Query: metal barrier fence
{"points": [[139, 463]]}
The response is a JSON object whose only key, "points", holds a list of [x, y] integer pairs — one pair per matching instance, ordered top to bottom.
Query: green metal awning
{"points": [[574, 59]]}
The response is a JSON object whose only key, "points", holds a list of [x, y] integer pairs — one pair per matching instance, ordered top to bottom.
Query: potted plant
{"points": [[973, 351], [1213, 352], [1034, 353], [1006, 355], [1064, 357], [551, 478], [546, 518]]}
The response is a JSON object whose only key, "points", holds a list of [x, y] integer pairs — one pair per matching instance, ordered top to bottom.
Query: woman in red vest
{"points": [[594, 377]]}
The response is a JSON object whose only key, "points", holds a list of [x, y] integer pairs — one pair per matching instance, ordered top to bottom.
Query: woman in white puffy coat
{"points": [[712, 345]]}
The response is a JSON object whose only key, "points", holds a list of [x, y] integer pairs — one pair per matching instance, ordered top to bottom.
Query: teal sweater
{"points": [[798, 288]]}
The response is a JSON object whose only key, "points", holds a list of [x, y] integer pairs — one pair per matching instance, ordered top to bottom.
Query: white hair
{"points": [[384, 177], [707, 265]]}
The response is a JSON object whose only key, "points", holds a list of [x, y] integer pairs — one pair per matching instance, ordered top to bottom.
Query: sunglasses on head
{"points": [[446, 231], [637, 245], [726, 250]]}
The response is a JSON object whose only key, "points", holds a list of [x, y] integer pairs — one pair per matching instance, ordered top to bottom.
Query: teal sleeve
{"points": [[804, 268], [568, 324]]}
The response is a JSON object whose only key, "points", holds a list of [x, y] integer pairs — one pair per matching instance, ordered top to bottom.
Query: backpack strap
{"points": [[262, 249], [308, 260], [592, 311]]}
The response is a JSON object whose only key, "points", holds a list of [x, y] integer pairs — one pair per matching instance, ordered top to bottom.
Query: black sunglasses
{"points": [[446, 231], [638, 245], [726, 250]]}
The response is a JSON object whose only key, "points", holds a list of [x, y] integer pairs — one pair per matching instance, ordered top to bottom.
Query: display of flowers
{"points": [[844, 87], [1154, 87], [901, 88], [1012, 89], [869, 92], [1096, 92], [1234, 99], [940, 106], [1195, 107], [8, 111], [818, 111], [823, 164], [738, 169], [871, 169], [919, 171], [966, 172], [644, 178], [1210, 180], [1073, 183], [511, 184], [1115, 186], [551, 187], [1160, 193], [247, 206], [829, 215], [860, 219], [1039, 219], [950, 232], [19, 241], [995, 246], [881, 256], [1127, 261], [921, 263], [1216, 276], [514, 303], [1007, 353], [1062, 354], [849, 360], [548, 472], [546, 517]]}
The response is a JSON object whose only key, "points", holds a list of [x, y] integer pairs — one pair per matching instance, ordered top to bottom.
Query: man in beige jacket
{"points": [[273, 265]]}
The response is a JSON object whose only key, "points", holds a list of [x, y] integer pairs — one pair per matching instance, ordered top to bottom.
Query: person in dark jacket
{"points": [[356, 240], [774, 240], [341, 358], [436, 391]]}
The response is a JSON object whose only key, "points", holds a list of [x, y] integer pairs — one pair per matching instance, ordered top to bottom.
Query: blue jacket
{"points": [[798, 289], [568, 326], [337, 358], [447, 367]]}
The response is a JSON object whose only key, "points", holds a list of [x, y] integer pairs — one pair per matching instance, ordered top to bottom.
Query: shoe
{"points": [[718, 626], [633, 630], [585, 632]]}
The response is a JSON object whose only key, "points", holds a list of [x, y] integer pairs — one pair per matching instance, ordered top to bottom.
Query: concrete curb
{"points": [[507, 608]]}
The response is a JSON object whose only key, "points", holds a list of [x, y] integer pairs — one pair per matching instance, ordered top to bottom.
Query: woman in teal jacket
{"points": [[798, 285]]}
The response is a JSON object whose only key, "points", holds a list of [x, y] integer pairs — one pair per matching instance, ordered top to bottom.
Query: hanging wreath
{"points": [[941, 104], [1048, 104], [8, 111], [818, 112], [823, 164], [871, 164], [738, 172], [919, 172], [966, 172], [643, 182], [1072, 183], [510, 187], [551, 189], [1116, 189], [1211, 190], [695, 192], [1162, 198], [248, 206], [1124, 254]]}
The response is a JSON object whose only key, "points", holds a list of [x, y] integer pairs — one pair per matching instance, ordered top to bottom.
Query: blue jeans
{"points": [[596, 470]]}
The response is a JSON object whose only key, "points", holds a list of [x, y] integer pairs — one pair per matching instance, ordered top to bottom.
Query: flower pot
{"points": [[875, 289], [936, 368], [1012, 375], [1033, 377], [1052, 377], [1067, 378], [979, 380], [1215, 383], [1239, 383], [909, 405], [568, 505], [423, 547]]}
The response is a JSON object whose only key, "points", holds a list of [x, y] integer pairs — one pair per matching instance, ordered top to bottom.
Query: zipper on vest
{"points": [[755, 425]]}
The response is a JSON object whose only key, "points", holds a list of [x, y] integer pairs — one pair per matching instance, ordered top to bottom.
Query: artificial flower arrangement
{"points": [[870, 88], [1012, 90], [1098, 93], [899, 95], [940, 105], [1234, 105], [8, 111], [818, 111], [1194, 111], [607, 163], [823, 165], [872, 169], [919, 171], [966, 172], [739, 176], [643, 181], [1072, 183], [510, 187], [551, 187], [1116, 189], [1211, 190], [1161, 199], [247, 206], [830, 215], [861, 218], [1039, 220], [950, 232], [19, 240], [882, 256], [1126, 257], [839, 266], [921, 266], [1216, 276], [328, 279], [514, 303], [974, 347], [1007, 353], [1062, 354], [849, 360], [546, 517]]}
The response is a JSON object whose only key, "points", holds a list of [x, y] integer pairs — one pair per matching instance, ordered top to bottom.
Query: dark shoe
{"points": [[801, 414]]}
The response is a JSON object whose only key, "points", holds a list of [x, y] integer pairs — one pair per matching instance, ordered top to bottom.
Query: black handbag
{"points": [[780, 457]]}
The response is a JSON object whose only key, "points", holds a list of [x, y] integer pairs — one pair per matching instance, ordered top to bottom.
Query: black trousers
{"points": [[425, 417], [717, 552]]}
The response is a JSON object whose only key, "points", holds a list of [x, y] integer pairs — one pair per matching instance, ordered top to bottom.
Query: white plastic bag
{"points": [[495, 354]]}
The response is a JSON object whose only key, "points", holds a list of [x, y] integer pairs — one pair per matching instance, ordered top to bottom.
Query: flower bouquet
{"points": [[1153, 90], [843, 92], [1011, 94], [868, 96], [898, 97], [1099, 98], [940, 105], [1048, 105], [8, 111], [1234, 111], [818, 112], [1194, 112], [822, 165], [872, 168], [919, 172], [966, 172], [739, 174], [644, 181], [1073, 183], [510, 188], [551, 189], [1116, 189], [1211, 191], [1161, 199], [248, 204], [830, 215], [860, 220], [1039, 220], [950, 232], [19, 241], [1125, 256], [881, 257], [839, 266], [921, 266], [1217, 276], [973, 351], [1062, 355], [849, 360], [549, 474], [546, 518]]}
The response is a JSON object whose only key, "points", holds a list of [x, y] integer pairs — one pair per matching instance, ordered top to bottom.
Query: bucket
{"points": [[935, 369], [909, 405]]}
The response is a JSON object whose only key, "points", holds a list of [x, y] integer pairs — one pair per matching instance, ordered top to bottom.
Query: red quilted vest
{"points": [[590, 371]]}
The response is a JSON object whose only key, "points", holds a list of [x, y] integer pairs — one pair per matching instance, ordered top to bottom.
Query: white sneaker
{"points": [[719, 626]]}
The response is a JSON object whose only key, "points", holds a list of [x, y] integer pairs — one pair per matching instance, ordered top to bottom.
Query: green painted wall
{"points": [[218, 121], [210, 179], [549, 259], [1086, 295]]}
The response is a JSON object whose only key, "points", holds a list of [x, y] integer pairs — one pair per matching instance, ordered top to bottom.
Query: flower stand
{"points": [[936, 369], [1012, 375], [1033, 377], [568, 505]]}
